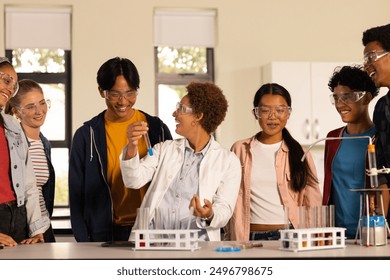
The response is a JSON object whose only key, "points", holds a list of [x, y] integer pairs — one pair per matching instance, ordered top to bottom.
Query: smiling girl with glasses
{"points": [[30, 107], [274, 177], [21, 217]]}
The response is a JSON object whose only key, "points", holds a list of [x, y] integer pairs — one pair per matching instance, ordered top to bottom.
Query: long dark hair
{"points": [[300, 171]]}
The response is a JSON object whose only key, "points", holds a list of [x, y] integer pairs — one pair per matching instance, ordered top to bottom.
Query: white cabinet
{"points": [[313, 116]]}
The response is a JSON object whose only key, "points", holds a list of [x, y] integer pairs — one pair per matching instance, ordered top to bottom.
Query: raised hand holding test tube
{"points": [[135, 132], [148, 144]]}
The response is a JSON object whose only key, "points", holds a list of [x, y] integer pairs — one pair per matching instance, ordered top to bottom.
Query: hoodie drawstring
{"points": [[91, 144]]}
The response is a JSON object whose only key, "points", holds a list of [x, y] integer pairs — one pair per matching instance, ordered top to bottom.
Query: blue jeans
{"points": [[13, 221], [264, 235]]}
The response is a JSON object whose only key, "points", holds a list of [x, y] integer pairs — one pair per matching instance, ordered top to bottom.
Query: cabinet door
{"points": [[295, 77], [324, 115]]}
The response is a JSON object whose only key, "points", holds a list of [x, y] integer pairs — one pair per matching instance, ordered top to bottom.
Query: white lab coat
{"points": [[219, 179]]}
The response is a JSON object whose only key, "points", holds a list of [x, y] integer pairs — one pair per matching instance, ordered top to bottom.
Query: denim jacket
{"points": [[23, 177]]}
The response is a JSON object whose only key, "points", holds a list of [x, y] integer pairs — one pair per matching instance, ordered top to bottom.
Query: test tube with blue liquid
{"points": [[148, 144]]}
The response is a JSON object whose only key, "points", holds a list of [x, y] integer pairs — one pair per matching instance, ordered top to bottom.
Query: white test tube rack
{"points": [[164, 239], [307, 239]]}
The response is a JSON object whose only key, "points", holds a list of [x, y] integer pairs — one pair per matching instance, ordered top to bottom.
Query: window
{"points": [[38, 44], [183, 52], [175, 68]]}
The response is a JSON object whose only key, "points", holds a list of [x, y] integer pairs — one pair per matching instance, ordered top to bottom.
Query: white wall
{"points": [[250, 33]]}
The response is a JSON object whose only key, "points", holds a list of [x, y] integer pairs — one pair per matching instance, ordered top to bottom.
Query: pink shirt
{"points": [[238, 227]]}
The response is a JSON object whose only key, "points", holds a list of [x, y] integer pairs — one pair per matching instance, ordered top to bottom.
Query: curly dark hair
{"points": [[380, 34], [353, 77], [207, 98]]}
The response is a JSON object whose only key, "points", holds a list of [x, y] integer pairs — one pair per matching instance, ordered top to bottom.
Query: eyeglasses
{"points": [[372, 56], [9, 83], [114, 95], [347, 98], [30, 109], [182, 109], [263, 112]]}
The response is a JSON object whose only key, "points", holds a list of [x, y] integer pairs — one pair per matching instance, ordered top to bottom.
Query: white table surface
{"points": [[270, 250]]}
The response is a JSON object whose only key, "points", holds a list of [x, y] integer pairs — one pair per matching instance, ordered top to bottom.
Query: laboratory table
{"points": [[207, 250]]}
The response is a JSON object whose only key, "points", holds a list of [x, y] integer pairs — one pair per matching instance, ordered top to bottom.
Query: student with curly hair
{"points": [[376, 43], [345, 159], [194, 171], [273, 175]]}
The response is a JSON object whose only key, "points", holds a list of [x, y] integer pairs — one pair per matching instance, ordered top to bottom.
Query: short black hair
{"points": [[380, 34], [115, 67], [353, 77]]}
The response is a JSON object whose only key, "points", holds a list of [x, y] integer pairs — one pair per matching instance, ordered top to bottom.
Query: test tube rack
{"points": [[306, 239], [168, 240]]}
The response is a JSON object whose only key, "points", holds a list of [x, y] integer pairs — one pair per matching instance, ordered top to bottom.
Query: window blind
{"points": [[43, 28], [183, 28]]}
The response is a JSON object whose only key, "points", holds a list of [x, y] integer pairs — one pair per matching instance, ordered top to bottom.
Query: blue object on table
{"points": [[225, 249]]}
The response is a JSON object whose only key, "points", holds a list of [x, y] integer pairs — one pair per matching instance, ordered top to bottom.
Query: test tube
{"points": [[148, 144], [372, 166], [191, 213], [322, 213], [302, 217], [143, 221], [302, 223], [313, 223], [329, 224], [285, 242]]}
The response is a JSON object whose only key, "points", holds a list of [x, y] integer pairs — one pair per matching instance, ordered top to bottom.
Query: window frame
{"points": [[56, 78], [182, 78]]}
